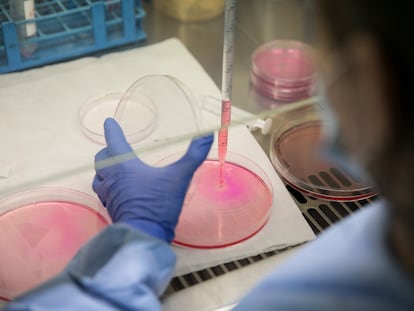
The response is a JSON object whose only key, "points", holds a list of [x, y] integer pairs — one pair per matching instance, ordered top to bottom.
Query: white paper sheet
{"points": [[43, 144]]}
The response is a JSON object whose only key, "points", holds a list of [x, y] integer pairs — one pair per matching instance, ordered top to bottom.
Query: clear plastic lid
{"points": [[284, 63], [144, 111], [142, 120], [295, 152], [223, 206], [40, 231]]}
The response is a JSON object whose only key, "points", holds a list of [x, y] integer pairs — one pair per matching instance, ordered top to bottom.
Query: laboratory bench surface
{"points": [[257, 22]]}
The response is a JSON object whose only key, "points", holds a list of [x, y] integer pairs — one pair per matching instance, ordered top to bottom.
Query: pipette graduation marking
{"points": [[226, 83]]}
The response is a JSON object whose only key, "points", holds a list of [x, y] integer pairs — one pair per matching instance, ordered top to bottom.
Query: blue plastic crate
{"points": [[68, 29]]}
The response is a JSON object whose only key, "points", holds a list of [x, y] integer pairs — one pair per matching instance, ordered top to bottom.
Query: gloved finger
{"points": [[115, 138], [102, 154], [196, 154], [97, 185]]}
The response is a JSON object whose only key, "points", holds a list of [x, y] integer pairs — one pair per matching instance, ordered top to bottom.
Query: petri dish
{"points": [[284, 63], [144, 111], [140, 120], [295, 152], [220, 211], [40, 231]]}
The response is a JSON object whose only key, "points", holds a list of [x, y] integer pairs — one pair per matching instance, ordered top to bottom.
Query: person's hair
{"points": [[389, 24]]}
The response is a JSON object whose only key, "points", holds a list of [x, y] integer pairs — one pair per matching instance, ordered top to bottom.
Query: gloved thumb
{"points": [[115, 138], [197, 152]]}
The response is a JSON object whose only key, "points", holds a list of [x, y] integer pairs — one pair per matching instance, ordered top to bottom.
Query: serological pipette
{"points": [[227, 72]]}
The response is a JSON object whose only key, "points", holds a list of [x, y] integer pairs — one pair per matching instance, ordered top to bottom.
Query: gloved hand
{"points": [[147, 198]]}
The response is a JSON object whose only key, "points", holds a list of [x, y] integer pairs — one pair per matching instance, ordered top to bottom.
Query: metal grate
{"points": [[340, 183], [321, 214], [185, 281]]}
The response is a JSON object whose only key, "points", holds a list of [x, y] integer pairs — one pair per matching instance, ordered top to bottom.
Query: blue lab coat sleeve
{"points": [[350, 266], [120, 269]]}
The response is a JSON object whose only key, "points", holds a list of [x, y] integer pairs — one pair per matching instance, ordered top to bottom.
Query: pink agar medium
{"points": [[283, 64], [291, 146], [219, 213], [38, 240]]}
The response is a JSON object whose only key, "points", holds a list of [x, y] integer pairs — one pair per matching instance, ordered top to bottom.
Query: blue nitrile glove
{"points": [[145, 197]]}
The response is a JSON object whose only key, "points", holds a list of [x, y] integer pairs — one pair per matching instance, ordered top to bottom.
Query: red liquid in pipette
{"points": [[223, 134], [222, 150]]}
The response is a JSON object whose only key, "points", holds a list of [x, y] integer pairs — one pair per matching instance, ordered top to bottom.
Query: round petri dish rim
{"points": [[178, 84], [97, 100], [293, 121], [246, 164], [52, 194]]}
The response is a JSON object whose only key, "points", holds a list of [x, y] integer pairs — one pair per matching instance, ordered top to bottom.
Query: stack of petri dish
{"points": [[283, 70]]}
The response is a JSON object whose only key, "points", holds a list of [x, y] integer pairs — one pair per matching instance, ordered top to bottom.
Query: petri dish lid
{"points": [[284, 63], [144, 111], [295, 152], [223, 210], [40, 231]]}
